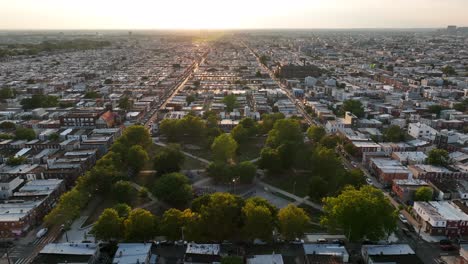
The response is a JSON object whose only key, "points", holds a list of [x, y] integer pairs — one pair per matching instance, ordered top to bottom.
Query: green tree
{"points": [[449, 70], [6, 93], [92, 95], [189, 99], [230, 101], [125, 103], [353, 106], [436, 109], [268, 121], [7, 125], [251, 126], [170, 129], [285, 131], [25, 133], [316, 133], [240, 134], [394, 134], [136, 135], [54, 137], [330, 141], [224, 148], [351, 149], [137, 157], [438, 157], [169, 159], [270, 160], [15, 161], [245, 171], [221, 172], [173, 188], [318, 188], [123, 191], [423, 194], [122, 209], [360, 213], [221, 215], [258, 221], [293, 222], [174, 223], [140, 225], [108, 226]]}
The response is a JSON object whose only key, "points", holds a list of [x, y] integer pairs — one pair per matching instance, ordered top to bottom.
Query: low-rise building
{"points": [[388, 170], [405, 189], [442, 218], [131, 253], [202, 253], [325, 253], [397, 253]]}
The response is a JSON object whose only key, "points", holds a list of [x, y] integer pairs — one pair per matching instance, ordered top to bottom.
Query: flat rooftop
{"points": [[203, 249]]}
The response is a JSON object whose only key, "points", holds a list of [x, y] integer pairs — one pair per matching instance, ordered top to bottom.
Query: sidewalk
{"points": [[184, 152], [297, 199]]}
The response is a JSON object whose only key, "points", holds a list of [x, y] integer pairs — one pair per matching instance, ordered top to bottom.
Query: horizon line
{"points": [[224, 29]]}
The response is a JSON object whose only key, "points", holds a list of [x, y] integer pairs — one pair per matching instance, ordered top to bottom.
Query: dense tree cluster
{"points": [[49, 46], [39, 100], [353, 106], [191, 127], [394, 134], [283, 143], [438, 157], [169, 159], [108, 170], [222, 172], [174, 189], [360, 213], [222, 216], [136, 226]]}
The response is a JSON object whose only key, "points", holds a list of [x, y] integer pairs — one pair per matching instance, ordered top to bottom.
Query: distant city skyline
{"points": [[240, 14]]}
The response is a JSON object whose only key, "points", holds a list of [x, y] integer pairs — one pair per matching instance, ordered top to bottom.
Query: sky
{"points": [[232, 14]]}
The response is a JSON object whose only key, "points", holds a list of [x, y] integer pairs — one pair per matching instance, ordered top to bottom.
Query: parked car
{"points": [[368, 180], [403, 219], [41, 232]]}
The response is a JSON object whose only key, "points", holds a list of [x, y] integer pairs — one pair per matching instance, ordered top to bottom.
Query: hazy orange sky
{"points": [[214, 14]]}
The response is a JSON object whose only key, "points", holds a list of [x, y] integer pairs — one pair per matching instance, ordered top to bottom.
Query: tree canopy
{"points": [[230, 101], [353, 106], [316, 133], [394, 134], [224, 148], [438, 157], [169, 159], [174, 189], [423, 194], [360, 213], [292, 222], [109, 225], [140, 225]]}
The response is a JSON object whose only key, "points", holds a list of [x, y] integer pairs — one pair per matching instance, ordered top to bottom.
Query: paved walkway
{"points": [[184, 152], [153, 199], [297, 199]]}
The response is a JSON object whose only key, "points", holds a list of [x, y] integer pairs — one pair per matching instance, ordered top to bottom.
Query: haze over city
{"points": [[240, 14], [234, 132]]}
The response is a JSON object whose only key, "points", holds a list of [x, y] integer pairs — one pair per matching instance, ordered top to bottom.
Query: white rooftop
{"points": [[82, 249], [203, 249], [325, 249], [396, 249], [131, 253], [266, 259]]}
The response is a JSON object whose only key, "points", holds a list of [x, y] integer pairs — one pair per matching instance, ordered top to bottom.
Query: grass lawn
{"points": [[251, 149], [295, 183]]}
